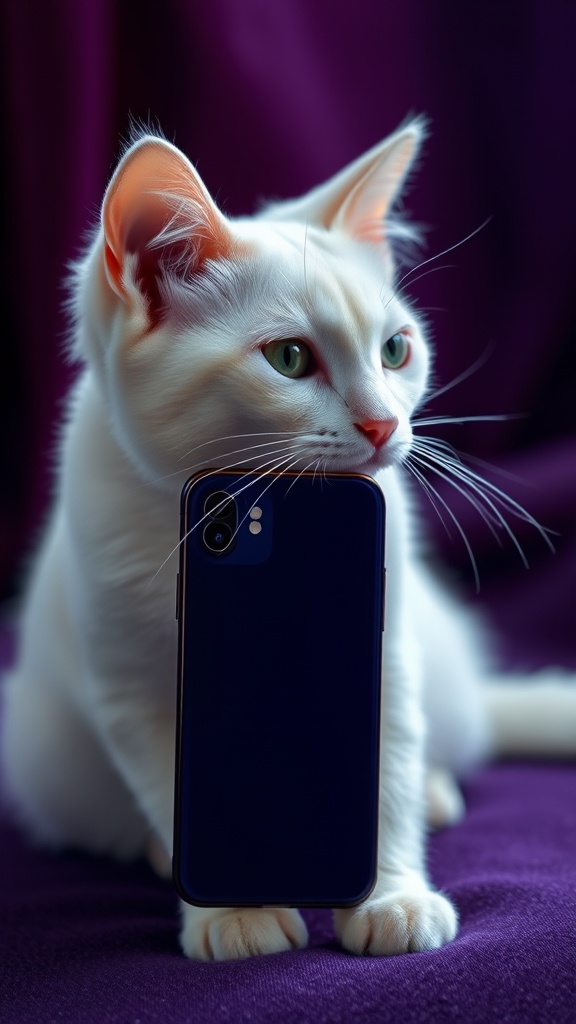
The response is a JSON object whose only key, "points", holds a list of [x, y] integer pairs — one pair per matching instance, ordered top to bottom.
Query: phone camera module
{"points": [[220, 506], [220, 530], [217, 537]]}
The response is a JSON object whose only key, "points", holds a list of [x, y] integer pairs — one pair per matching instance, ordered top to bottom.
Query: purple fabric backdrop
{"points": [[268, 99]]}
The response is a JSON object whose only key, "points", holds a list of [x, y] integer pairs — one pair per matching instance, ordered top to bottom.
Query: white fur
{"points": [[88, 741]]}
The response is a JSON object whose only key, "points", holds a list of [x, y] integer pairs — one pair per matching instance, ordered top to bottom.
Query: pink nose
{"points": [[378, 431]]}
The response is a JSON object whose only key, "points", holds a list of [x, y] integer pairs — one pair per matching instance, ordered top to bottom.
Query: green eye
{"points": [[395, 352], [291, 358]]}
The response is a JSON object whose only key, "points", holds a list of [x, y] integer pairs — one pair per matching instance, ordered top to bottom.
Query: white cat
{"points": [[175, 309]]}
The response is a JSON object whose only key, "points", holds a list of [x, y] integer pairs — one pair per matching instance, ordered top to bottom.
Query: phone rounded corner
{"points": [[188, 486], [378, 494], [177, 881], [181, 891], [355, 901]]}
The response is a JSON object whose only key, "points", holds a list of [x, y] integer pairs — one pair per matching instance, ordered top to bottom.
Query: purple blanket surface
{"points": [[269, 99], [90, 941]]}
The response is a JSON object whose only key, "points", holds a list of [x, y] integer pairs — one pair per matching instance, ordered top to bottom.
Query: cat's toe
{"points": [[400, 922], [235, 934]]}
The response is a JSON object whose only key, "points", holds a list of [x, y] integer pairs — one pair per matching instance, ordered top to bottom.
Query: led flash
{"points": [[256, 513], [255, 528]]}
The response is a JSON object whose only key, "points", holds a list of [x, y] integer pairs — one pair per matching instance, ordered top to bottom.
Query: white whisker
{"points": [[444, 252], [431, 270], [475, 366], [433, 421], [234, 437], [303, 442], [294, 449], [464, 458], [277, 461], [274, 464], [484, 464], [302, 471], [275, 476], [469, 476], [470, 483], [429, 491], [492, 504], [490, 519], [456, 523]]}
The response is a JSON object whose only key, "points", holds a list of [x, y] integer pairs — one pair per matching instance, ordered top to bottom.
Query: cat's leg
{"points": [[139, 735], [60, 779], [67, 792], [444, 801], [403, 913], [206, 933]]}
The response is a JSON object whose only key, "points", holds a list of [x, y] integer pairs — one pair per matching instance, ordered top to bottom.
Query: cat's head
{"points": [[276, 341]]}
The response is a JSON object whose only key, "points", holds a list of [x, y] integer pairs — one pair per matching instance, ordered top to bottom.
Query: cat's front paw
{"points": [[406, 921], [234, 934]]}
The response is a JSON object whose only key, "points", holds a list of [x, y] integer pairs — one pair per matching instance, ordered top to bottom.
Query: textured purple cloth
{"points": [[269, 98], [88, 941]]}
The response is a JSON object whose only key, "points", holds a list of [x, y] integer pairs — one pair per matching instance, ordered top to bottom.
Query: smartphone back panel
{"points": [[279, 689]]}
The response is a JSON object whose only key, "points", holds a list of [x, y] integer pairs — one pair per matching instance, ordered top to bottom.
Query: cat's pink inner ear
{"points": [[157, 211], [363, 213]]}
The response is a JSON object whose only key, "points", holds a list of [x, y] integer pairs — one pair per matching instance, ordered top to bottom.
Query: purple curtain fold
{"points": [[268, 99]]}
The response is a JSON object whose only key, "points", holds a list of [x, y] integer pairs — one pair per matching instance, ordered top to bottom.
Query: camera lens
{"points": [[220, 505], [217, 537]]}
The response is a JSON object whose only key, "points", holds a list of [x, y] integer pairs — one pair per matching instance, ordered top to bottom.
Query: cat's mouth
{"points": [[278, 452], [379, 460], [370, 463]]}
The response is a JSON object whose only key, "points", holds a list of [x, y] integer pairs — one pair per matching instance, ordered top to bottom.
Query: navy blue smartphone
{"points": [[281, 614]]}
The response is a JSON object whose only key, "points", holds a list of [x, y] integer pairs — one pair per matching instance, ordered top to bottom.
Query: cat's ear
{"points": [[359, 198], [365, 207], [157, 214]]}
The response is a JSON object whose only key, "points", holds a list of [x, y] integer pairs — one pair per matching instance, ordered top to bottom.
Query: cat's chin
{"points": [[375, 464]]}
